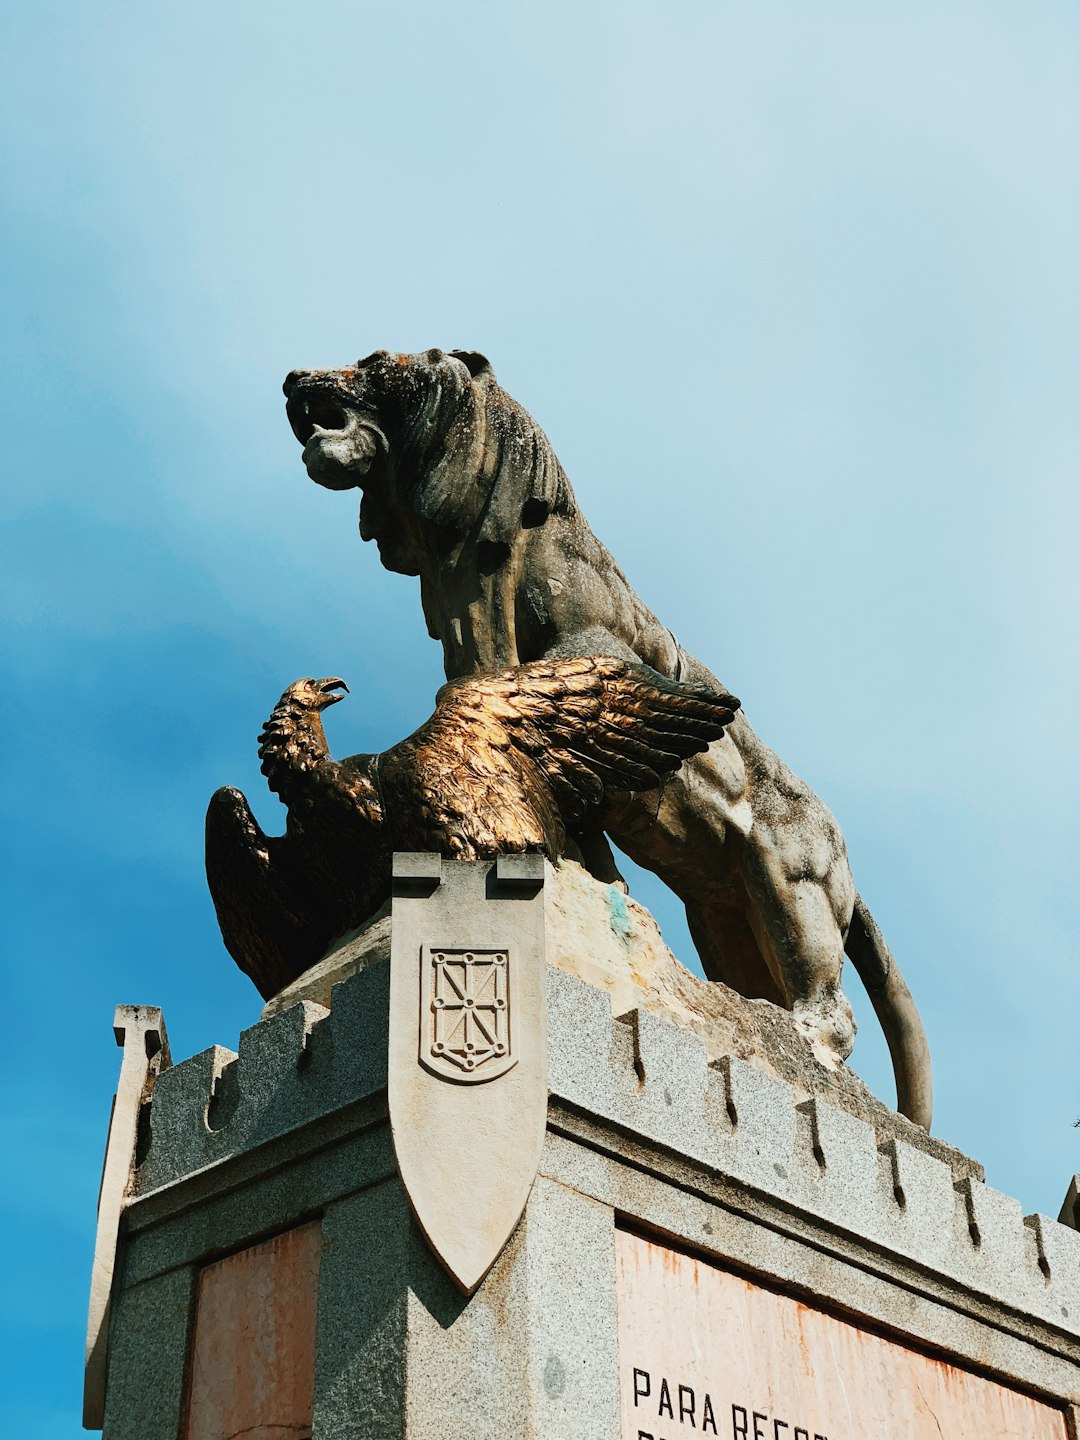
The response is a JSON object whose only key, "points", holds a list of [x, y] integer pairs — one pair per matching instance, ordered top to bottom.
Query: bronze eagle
{"points": [[509, 762]]}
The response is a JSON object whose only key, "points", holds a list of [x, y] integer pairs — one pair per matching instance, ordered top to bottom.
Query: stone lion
{"points": [[462, 488]]}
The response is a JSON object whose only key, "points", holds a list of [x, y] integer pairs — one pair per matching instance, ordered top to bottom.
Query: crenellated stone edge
{"points": [[291, 1069], [647, 1078], [751, 1129]]}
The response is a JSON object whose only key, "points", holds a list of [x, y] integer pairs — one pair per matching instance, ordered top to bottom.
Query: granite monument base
{"points": [[726, 1243]]}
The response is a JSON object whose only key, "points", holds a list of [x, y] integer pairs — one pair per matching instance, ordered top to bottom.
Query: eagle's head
{"points": [[315, 695], [292, 743]]}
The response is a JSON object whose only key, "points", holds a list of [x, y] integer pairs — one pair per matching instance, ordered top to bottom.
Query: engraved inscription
{"points": [[465, 1013], [706, 1352], [693, 1406]]}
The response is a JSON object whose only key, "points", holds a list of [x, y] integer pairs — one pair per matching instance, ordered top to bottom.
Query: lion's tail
{"points": [[896, 1011]]}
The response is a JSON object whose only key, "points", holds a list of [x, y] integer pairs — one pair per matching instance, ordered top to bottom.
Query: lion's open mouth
{"points": [[308, 413], [341, 439]]}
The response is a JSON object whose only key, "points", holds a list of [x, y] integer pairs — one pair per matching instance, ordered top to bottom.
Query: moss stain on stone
{"points": [[619, 914]]}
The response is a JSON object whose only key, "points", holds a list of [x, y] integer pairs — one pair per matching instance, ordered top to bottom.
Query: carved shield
{"points": [[466, 1010], [468, 1049]]}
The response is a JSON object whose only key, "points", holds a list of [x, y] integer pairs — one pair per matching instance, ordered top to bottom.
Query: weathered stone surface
{"points": [[604, 937], [140, 1029], [292, 1068], [652, 1081], [647, 1130], [148, 1338], [404, 1356], [252, 1368], [805, 1373]]}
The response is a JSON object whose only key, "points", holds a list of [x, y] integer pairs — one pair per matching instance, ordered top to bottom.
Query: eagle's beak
{"points": [[326, 688]]}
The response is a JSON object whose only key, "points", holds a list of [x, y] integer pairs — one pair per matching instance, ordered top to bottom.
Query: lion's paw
{"points": [[829, 1026]]}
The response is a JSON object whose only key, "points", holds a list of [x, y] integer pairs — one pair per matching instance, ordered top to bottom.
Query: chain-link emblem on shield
{"points": [[465, 1019]]}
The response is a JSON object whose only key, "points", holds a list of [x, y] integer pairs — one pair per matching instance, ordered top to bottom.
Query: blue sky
{"points": [[794, 292]]}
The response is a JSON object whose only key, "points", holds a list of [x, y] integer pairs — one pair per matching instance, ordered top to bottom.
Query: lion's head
{"points": [[435, 444]]}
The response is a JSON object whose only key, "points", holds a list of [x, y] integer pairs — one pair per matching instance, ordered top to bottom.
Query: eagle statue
{"points": [[509, 762]]}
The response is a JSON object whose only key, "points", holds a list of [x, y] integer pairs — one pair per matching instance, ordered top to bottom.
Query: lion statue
{"points": [[461, 487]]}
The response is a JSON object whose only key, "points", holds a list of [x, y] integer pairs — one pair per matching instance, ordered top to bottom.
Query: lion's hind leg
{"points": [[798, 920], [729, 951]]}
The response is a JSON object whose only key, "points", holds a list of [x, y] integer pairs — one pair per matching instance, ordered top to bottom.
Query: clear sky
{"points": [[793, 290]]}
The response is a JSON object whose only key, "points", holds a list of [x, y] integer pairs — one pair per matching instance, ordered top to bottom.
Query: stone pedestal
{"points": [[711, 1223]]}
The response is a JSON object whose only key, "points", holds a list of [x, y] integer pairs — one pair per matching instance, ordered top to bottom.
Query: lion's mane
{"points": [[461, 453]]}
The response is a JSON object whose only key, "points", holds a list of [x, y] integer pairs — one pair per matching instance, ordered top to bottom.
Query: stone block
{"points": [[421, 867], [524, 872], [596, 933], [358, 1024], [579, 1039], [293, 1066], [278, 1088], [668, 1102], [181, 1139], [762, 1152], [729, 1154], [839, 1158], [925, 1203], [990, 1243], [368, 1249], [1058, 1259], [569, 1324], [148, 1344], [403, 1355]]}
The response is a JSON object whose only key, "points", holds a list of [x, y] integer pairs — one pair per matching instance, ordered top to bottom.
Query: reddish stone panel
{"points": [[253, 1351], [705, 1352]]}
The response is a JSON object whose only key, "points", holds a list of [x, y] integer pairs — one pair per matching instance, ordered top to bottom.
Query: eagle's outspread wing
{"points": [[507, 759], [505, 764], [253, 886]]}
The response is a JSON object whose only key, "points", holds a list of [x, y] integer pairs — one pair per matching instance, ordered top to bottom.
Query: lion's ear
{"points": [[474, 362]]}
